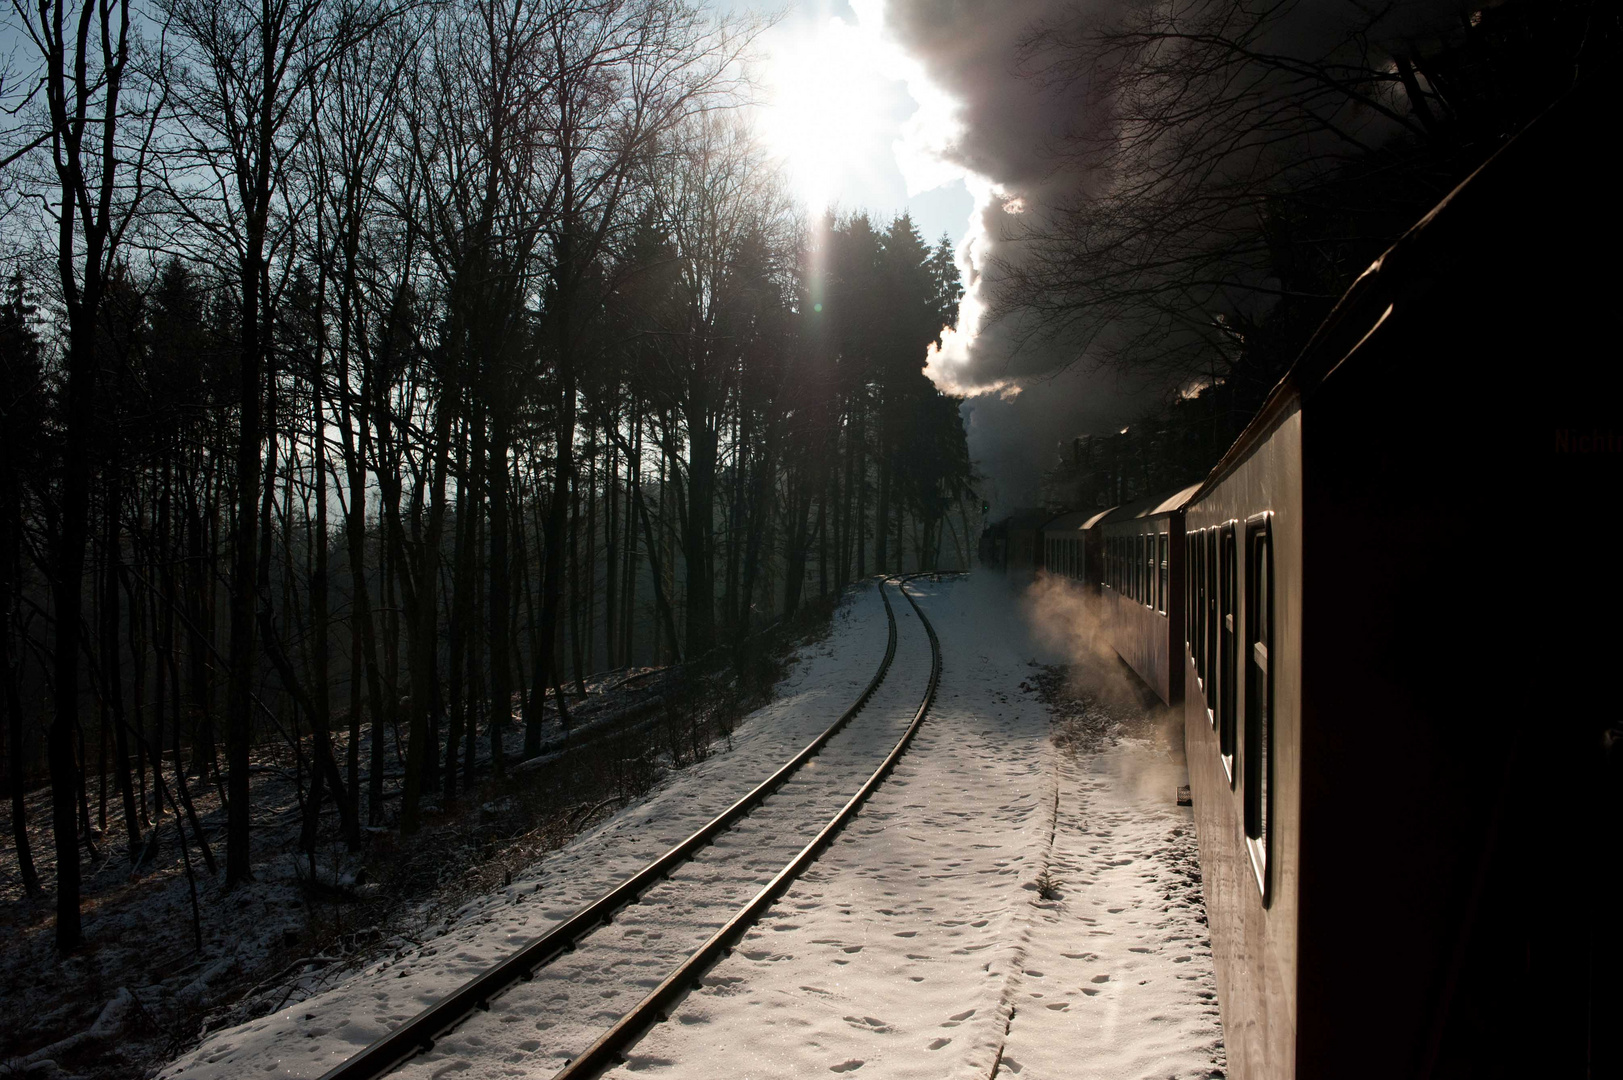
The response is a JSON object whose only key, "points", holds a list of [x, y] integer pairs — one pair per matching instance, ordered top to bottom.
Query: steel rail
{"points": [[419, 1034], [606, 1051]]}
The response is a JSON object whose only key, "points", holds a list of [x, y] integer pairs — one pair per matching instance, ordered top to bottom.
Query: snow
{"points": [[999, 907]]}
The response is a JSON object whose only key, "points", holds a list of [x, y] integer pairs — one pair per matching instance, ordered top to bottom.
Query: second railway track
{"points": [[575, 997]]}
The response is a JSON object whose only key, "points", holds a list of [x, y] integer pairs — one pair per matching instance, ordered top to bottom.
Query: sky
{"points": [[920, 105], [938, 107], [852, 113]]}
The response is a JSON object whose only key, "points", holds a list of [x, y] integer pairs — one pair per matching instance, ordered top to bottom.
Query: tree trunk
{"points": [[244, 569], [501, 578], [113, 679]]}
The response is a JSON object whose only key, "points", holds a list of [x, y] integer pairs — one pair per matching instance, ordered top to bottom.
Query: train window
{"points": [[1163, 553], [1138, 568], [1197, 570], [1140, 585], [1152, 593], [1188, 593], [1154, 597], [1209, 638], [1227, 654], [1259, 695]]}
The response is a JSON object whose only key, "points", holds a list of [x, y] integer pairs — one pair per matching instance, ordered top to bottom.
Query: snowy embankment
{"points": [[999, 907], [923, 944], [308, 1037]]}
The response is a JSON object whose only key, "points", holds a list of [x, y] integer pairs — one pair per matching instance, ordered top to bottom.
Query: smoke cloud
{"points": [[1007, 119], [1027, 397]]}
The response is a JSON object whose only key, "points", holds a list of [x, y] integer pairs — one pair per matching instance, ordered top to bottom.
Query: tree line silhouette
{"points": [[1246, 161], [372, 371]]}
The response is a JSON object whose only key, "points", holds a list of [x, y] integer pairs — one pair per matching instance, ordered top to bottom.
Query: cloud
{"points": [[1006, 122], [1003, 123], [1018, 430]]}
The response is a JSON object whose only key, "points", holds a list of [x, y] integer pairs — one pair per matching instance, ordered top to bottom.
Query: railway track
{"points": [[697, 885]]}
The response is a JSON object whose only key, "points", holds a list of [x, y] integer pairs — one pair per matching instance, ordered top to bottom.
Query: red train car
{"points": [[1140, 611], [1407, 808]]}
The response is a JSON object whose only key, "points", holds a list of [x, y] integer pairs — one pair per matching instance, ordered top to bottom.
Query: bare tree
{"points": [[241, 92], [98, 149], [1237, 161]]}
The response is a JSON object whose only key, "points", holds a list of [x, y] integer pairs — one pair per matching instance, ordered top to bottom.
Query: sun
{"points": [[823, 110]]}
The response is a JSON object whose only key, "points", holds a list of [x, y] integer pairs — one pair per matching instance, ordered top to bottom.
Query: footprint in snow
{"points": [[867, 1023], [936, 1044]]}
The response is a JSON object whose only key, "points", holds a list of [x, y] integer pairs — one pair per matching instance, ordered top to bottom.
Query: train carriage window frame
{"points": [[1163, 545], [1138, 567], [1149, 567], [1141, 586], [1152, 597], [1191, 611], [1261, 620], [1209, 636], [1197, 642], [1227, 651]]}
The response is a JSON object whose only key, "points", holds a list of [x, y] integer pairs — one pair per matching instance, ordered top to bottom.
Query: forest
{"points": [[1257, 156], [374, 373]]}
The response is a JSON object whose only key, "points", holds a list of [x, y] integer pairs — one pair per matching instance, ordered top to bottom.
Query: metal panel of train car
{"points": [[1065, 544], [1141, 609], [1404, 818], [1250, 880]]}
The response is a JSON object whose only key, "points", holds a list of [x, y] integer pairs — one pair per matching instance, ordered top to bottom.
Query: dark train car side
{"points": [[1070, 547], [1024, 549], [1141, 607], [1405, 815]]}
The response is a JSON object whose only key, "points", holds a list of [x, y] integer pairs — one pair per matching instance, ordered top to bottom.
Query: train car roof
{"points": [[1403, 273], [1152, 506], [1075, 521]]}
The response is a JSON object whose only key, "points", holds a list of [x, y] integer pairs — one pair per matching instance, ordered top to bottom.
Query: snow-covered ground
{"points": [[999, 907], [921, 945]]}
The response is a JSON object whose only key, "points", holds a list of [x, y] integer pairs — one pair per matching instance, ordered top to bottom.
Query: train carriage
{"points": [[1023, 546], [1067, 550], [1140, 612], [1404, 816]]}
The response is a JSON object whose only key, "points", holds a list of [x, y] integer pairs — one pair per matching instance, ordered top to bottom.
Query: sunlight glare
{"points": [[825, 89]]}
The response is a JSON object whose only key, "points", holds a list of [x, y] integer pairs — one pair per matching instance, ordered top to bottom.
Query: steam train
{"points": [[1389, 617]]}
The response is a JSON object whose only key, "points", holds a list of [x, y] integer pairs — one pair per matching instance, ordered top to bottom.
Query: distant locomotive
{"points": [[1408, 812]]}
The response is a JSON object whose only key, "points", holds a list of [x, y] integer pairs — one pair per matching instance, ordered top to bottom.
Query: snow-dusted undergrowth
{"points": [[1000, 907]]}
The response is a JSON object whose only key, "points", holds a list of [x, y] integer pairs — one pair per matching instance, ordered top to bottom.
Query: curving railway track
{"points": [[663, 927]]}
